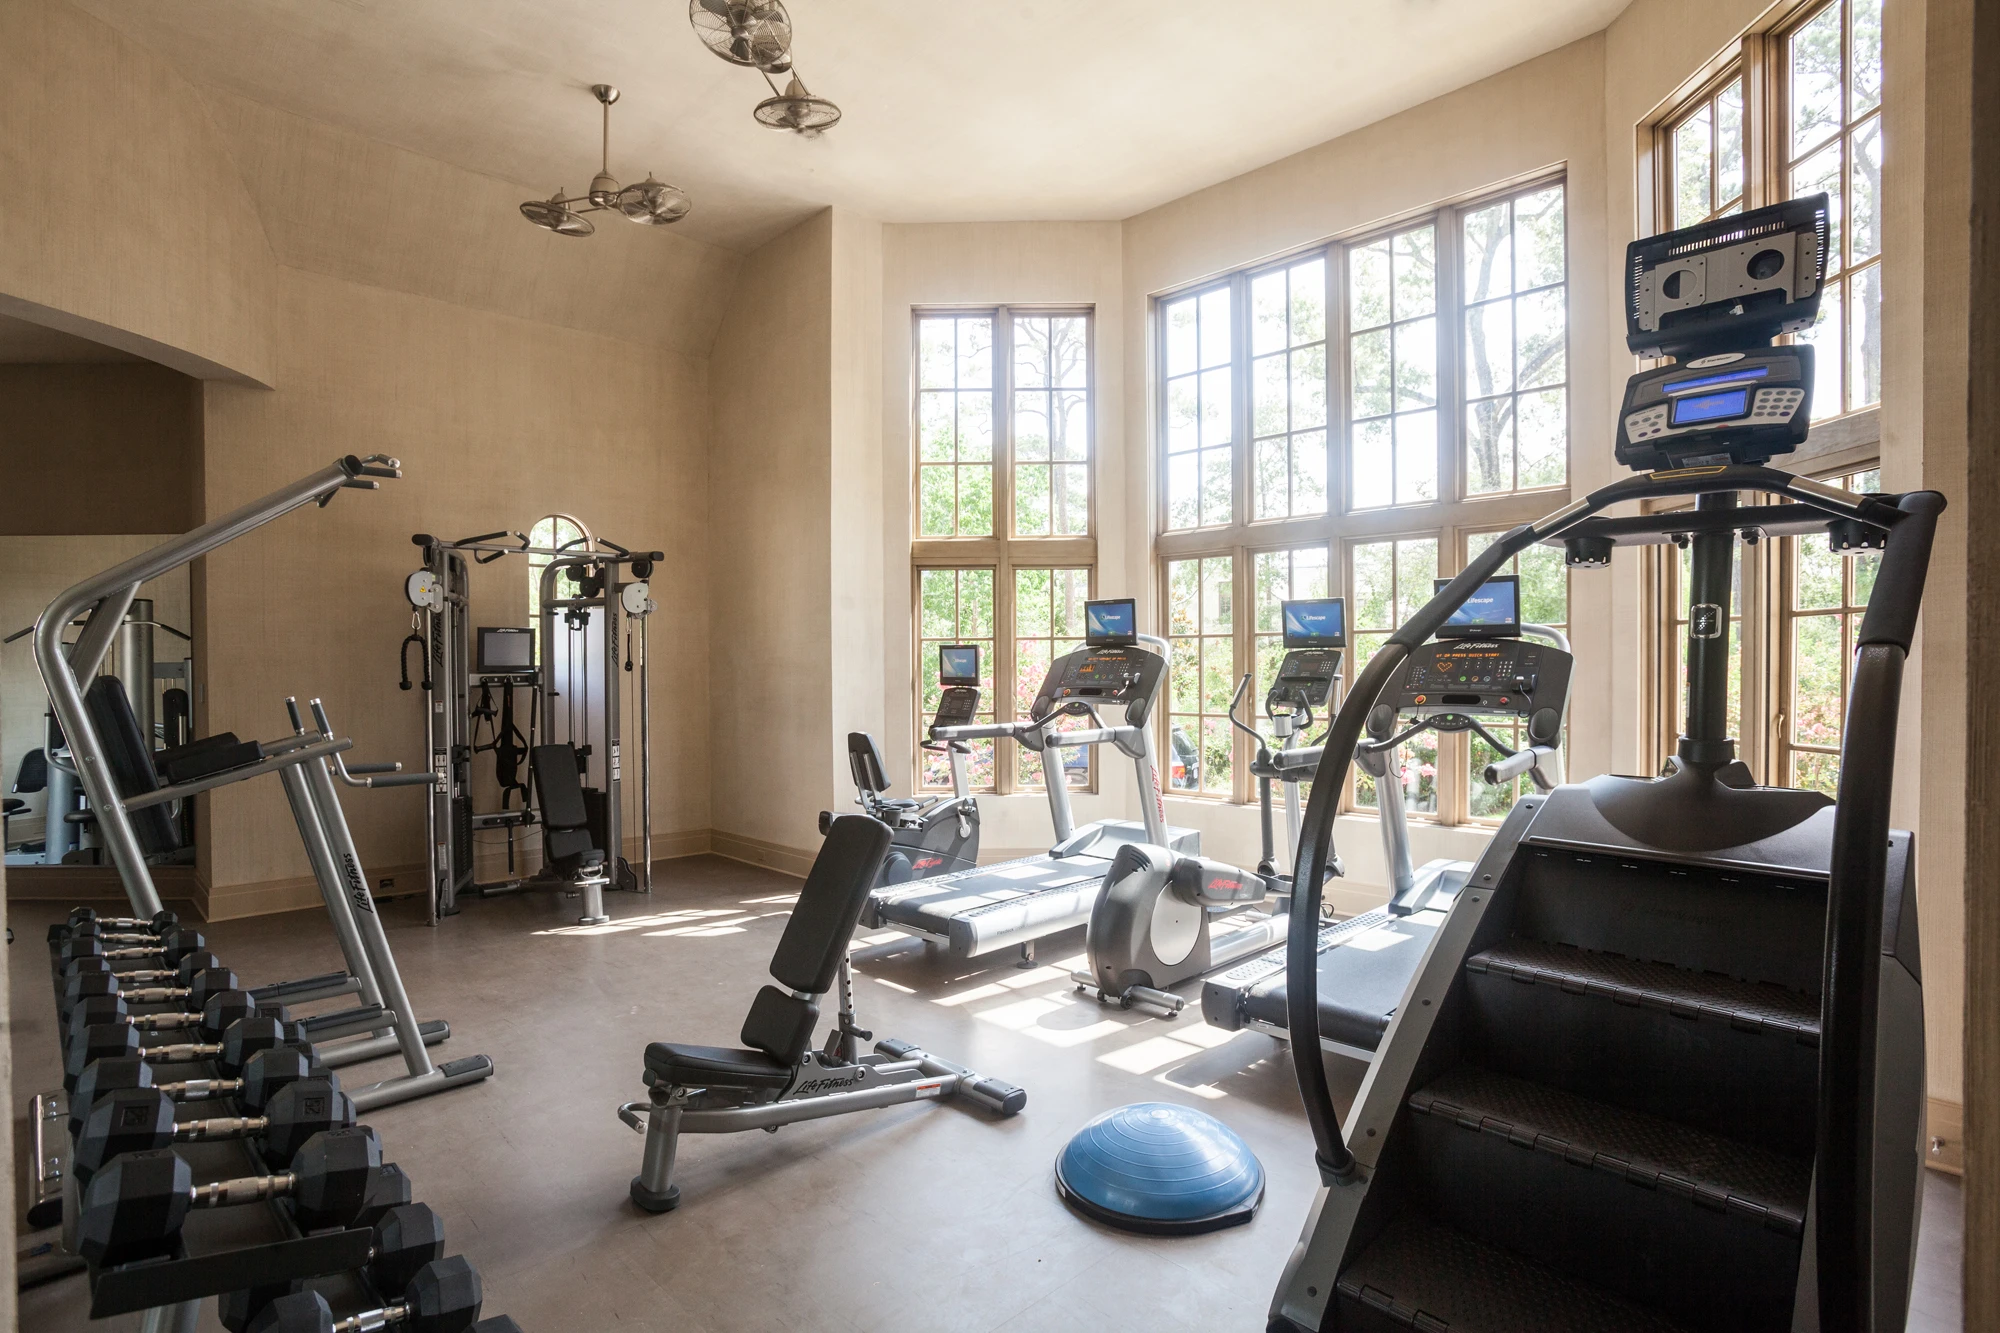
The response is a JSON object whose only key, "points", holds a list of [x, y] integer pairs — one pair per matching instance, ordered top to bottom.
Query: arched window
{"points": [[556, 532]]}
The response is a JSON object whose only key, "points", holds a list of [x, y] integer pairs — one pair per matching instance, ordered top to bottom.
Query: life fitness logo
{"points": [[1159, 799], [928, 862], [1230, 885]]}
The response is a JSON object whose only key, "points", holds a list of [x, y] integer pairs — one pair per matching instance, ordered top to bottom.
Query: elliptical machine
{"points": [[941, 835], [1153, 925], [1662, 1066]]}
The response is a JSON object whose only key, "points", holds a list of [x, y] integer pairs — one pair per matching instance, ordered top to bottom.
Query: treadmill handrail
{"points": [[1335, 1160]]}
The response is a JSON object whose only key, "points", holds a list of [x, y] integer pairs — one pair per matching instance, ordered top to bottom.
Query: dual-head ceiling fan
{"points": [[753, 33]]}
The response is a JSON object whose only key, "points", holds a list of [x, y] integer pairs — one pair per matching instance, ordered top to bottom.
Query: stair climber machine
{"points": [[1480, 669], [1113, 680], [939, 836], [1154, 925], [1662, 1066]]}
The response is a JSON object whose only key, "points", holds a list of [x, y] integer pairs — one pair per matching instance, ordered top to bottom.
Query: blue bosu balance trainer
{"points": [[1160, 1169]]}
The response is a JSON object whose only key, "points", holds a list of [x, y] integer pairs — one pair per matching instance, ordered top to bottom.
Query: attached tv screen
{"points": [[1493, 612], [1316, 622], [1111, 623], [506, 650], [958, 664]]}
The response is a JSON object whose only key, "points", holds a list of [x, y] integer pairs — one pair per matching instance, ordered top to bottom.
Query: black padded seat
{"points": [[129, 756], [865, 762], [567, 845], [779, 1026], [682, 1064]]}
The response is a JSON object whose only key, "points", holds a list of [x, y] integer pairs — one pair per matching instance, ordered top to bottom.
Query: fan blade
{"points": [[719, 8]]}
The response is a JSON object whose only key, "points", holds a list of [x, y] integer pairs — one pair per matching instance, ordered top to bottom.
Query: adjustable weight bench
{"points": [[774, 1078]]}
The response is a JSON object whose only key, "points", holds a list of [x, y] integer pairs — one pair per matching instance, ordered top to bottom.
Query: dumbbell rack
{"points": [[238, 1247], [232, 1250]]}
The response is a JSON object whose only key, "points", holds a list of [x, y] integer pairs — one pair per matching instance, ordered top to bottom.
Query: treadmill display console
{"points": [[1102, 676], [1305, 680]]}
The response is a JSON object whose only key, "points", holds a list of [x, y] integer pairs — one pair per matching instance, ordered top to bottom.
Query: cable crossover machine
{"points": [[563, 769]]}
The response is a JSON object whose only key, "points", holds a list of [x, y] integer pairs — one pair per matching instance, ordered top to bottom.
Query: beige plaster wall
{"points": [[1545, 113], [334, 202], [124, 219], [497, 421], [98, 449], [771, 458], [855, 518]]}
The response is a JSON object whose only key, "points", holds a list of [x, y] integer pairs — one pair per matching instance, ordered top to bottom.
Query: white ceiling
{"points": [[954, 109], [23, 343]]}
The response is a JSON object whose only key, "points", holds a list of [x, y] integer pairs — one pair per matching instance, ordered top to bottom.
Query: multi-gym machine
{"points": [[589, 638]]}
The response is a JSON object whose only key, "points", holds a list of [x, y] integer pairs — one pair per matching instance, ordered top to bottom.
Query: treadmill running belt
{"points": [[994, 907], [1360, 983]]}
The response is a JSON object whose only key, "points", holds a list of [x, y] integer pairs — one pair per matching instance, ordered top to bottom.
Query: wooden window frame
{"points": [[1837, 445], [1002, 552]]}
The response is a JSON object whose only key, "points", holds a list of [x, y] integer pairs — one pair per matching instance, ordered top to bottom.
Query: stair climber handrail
{"points": [[1332, 1155], [1843, 1222]]}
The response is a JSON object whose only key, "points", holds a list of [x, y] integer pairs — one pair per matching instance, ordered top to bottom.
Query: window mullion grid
{"points": [[1338, 370], [1002, 380], [1452, 409], [1244, 509], [1005, 759]]}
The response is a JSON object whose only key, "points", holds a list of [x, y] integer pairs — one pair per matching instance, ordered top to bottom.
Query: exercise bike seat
{"points": [[683, 1064]]}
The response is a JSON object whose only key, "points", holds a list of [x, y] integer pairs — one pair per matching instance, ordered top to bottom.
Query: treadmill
{"points": [[1482, 668], [1114, 680]]}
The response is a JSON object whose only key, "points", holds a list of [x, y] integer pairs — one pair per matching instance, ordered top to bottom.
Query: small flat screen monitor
{"points": [[1722, 405], [1493, 612], [1316, 622], [1111, 623], [506, 650], [958, 664]]}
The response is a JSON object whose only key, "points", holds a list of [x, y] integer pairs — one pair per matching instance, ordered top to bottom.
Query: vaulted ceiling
{"points": [[968, 109]]}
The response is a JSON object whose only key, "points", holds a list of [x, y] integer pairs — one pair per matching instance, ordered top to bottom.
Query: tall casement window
{"points": [[1792, 110], [1339, 422], [1004, 550]]}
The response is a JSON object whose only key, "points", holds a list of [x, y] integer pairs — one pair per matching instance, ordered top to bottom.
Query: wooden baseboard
{"points": [[757, 852], [97, 884], [1944, 1136]]}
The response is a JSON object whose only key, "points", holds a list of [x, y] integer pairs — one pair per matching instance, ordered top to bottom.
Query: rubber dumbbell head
{"points": [[142, 1119], [387, 1188], [137, 1203], [406, 1238]]}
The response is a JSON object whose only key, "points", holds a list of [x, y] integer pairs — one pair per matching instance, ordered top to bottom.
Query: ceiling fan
{"points": [[758, 34], [651, 202]]}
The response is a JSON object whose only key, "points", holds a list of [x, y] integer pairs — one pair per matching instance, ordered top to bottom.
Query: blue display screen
{"points": [[1720, 377], [1711, 407], [1493, 610], [1110, 622], [1318, 622], [958, 664]]}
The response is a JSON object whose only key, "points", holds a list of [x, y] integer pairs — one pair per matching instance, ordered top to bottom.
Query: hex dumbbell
{"points": [[159, 923], [173, 946], [180, 974], [104, 985], [103, 1011], [240, 1040], [262, 1075], [142, 1120], [140, 1200], [406, 1238], [443, 1297]]}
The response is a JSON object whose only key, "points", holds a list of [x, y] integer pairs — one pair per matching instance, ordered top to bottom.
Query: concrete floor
{"points": [[928, 1217]]}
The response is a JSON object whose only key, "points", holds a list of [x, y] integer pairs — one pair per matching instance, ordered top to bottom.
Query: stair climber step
{"points": [[1733, 1057], [1702, 1227], [1422, 1275]]}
